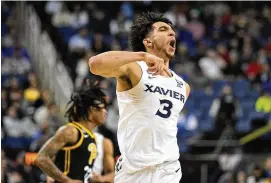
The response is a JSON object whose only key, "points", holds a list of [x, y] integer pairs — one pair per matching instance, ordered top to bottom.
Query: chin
{"points": [[171, 55], [100, 123]]}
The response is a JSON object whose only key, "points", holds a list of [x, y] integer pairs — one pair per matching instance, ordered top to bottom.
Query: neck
{"points": [[160, 54], [163, 56], [88, 124]]}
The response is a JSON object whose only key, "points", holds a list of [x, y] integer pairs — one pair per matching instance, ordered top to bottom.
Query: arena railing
{"points": [[44, 57]]}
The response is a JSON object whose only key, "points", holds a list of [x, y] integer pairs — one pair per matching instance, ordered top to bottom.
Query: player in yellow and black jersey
{"points": [[69, 155]]}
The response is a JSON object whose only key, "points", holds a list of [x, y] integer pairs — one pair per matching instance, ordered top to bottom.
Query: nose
{"points": [[171, 33], [105, 111]]}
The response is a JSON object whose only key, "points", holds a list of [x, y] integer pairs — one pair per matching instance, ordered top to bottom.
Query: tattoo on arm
{"points": [[45, 159]]}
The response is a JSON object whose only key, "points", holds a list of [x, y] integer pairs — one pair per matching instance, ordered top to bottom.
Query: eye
{"points": [[162, 29]]}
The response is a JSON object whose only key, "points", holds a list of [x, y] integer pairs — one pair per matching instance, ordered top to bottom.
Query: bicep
{"points": [[125, 70], [116, 73], [64, 135], [109, 161]]}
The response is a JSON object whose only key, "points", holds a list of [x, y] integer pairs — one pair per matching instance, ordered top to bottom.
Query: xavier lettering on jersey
{"points": [[166, 92]]}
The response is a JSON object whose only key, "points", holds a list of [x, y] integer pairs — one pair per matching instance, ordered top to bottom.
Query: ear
{"points": [[147, 42], [90, 110]]}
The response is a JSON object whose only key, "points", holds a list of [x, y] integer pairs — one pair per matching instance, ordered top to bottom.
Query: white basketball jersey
{"points": [[147, 126], [98, 163]]}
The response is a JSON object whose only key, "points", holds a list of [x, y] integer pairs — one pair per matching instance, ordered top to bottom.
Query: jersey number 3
{"points": [[165, 108]]}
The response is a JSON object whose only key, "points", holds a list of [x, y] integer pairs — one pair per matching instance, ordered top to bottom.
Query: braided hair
{"points": [[81, 101]]}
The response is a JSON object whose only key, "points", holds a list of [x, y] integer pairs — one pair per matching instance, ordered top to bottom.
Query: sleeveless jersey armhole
{"points": [[138, 83], [79, 139]]}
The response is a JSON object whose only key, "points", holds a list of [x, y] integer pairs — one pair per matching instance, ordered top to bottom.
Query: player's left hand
{"points": [[97, 178]]}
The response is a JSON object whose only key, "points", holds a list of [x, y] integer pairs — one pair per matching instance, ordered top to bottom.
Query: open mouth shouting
{"points": [[172, 44]]}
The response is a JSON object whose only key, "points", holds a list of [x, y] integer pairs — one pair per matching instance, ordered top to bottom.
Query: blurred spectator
{"points": [[53, 7], [217, 8], [127, 10], [5, 11], [177, 16], [62, 17], [79, 17], [99, 22], [120, 26], [195, 26], [216, 31], [8, 39], [80, 42], [115, 45], [99, 46], [223, 52], [246, 54], [262, 54], [17, 64], [211, 65], [234, 67], [82, 69], [253, 69], [264, 76], [31, 78], [13, 90], [32, 93], [45, 99], [4, 102], [263, 103], [225, 109], [41, 114], [48, 116], [113, 117], [54, 120], [187, 121], [25, 123], [48, 123], [13, 126], [187, 128], [3, 168], [267, 168], [23, 169], [17, 171], [257, 175], [241, 177]]}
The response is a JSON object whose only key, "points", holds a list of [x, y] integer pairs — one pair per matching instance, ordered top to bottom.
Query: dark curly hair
{"points": [[142, 27], [78, 106]]}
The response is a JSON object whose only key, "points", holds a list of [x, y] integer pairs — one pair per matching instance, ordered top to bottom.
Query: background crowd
{"points": [[223, 52]]}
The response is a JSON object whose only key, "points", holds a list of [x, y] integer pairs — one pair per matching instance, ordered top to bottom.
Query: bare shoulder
{"points": [[187, 89], [67, 133], [108, 146]]}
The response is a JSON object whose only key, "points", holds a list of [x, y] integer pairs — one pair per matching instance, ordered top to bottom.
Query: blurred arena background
{"points": [[224, 53]]}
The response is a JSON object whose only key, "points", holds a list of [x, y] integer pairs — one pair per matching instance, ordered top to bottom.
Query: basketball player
{"points": [[150, 97], [68, 157], [104, 161]]}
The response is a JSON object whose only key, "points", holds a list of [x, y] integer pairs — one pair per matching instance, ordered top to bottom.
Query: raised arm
{"points": [[113, 63], [119, 63], [44, 160]]}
